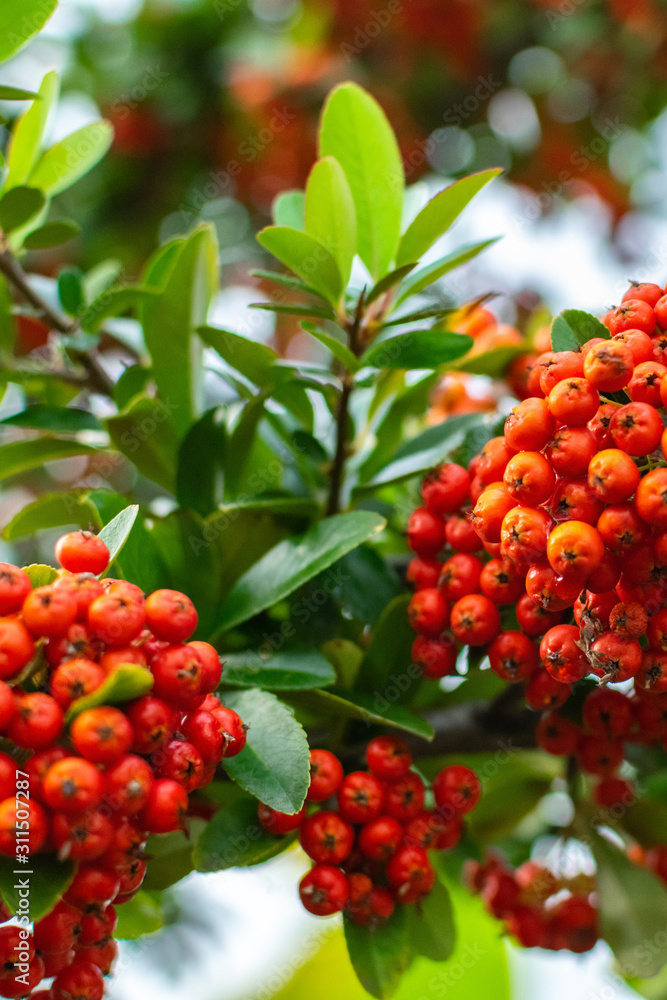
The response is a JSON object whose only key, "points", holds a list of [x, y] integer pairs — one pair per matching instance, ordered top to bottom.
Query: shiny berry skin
{"points": [[645, 291], [633, 314], [559, 366], [609, 366], [646, 383], [574, 401], [599, 425], [530, 426], [636, 428], [570, 450], [492, 460], [613, 476], [529, 478], [445, 489], [651, 498], [574, 500], [490, 511], [426, 533], [460, 534], [523, 536], [575, 550], [82, 552], [423, 573], [460, 576], [501, 582], [15, 585], [85, 589], [548, 591], [49, 611], [428, 612], [170, 615], [118, 616], [475, 620], [535, 620], [17, 648], [561, 655], [513, 656], [436, 657], [615, 657], [211, 667], [178, 674], [74, 678], [544, 692], [607, 713], [38, 721], [153, 722], [233, 730], [102, 734], [557, 735], [599, 755], [388, 758], [181, 761], [326, 775], [128, 783], [73, 785], [456, 789], [360, 797], [404, 797], [165, 807], [279, 823], [36, 825], [81, 836], [326, 837], [380, 838], [410, 874], [93, 886], [324, 890], [98, 925], [15, 944], [79, 981], [13, 986]]}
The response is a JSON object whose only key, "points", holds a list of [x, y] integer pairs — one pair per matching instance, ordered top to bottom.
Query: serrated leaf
{"points": [[20, 20], [354, 129], [68, 160], [18, 206], [289, 209], [330, 214], [438, 215], [52, 234], [305, 256], [425, 276], [573, 327], [416, 349], [21, 456], [53, 510], [116, 532], [293, 562], [40, 574], [286, 670], [126, 682], [381, 708], [274, 765], [234, 837], [48, 880], [380, 956]]}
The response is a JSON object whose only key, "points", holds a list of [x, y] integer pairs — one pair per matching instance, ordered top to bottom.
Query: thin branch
{"points": [[98, 380]]}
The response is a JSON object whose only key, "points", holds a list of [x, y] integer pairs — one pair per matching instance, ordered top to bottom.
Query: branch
{"points": [[98, 379], [342, 414], [476, 727]]}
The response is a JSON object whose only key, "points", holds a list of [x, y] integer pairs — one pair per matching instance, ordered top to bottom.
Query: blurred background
{"points": [[214, 105]]}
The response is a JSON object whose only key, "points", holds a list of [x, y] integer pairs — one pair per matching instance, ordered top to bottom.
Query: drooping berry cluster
{"points": [[549, 552], [90, 785], [369, 831], [540, 909]]}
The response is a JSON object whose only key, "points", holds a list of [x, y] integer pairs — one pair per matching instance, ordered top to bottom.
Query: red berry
{"points": [[82, 552], [15, 585], [170, 615], [38, 721], [102, 734], [388, 758], [326, 775], [73, 785], [456, 789], [360, 797], [165, 807], [279, 823], [326, 837], [379, 838], [324, 890], [80, 981]]}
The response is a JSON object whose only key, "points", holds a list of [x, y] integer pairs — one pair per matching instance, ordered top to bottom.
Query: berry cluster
{"points": [[549, 552], [91, 785], [370, 832], [538, 908]]}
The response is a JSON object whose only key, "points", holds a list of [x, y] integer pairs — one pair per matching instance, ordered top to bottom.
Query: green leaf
{"points": [[20, 20], [16, 94], [355, 130], [26, 142], [68, 160], [18, 206], [289, 209], [330, 214], [437, 216], [51, 235], [306, 257], [425, 276], [101, 277], [286, 280], [389, 280], [70, 290], [115, 301], [322, 312], [433, 312], [170, 320], [7, 324], [573, 327], [337, 347], [417, 349], [253, 360], [492, 363], [132, 382], [59, 419], [145, 433], [241, 442], [427, 449], [22, 456], [201, 463], [53, 510], [116, 532], [293, 562], [40, 574], [367, 584], [389, 654], [345, 657], [285, 670], [125, 683], [381, 708], [274, 765], [508, 797], [646, 820], [234, 837], [171, 854], [48, 879], [632, 910], [140, 915], [431, 925], [381, 956], [654, 988]]}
